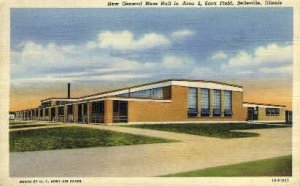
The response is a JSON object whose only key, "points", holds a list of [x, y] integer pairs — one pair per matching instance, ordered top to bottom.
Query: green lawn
{"points": [[19, 122], [25, 126], [222, 130], [73, 137], [279, 166]]}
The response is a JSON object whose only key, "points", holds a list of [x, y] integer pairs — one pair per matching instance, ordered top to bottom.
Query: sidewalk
{"points": [[193, 152]]}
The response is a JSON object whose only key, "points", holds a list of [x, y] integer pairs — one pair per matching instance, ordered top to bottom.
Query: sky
{"points": [[102, 49]]}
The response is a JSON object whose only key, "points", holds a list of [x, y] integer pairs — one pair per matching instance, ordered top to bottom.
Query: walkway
{"points": [[193, 152]]}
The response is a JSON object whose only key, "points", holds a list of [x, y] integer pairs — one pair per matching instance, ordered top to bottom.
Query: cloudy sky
{"points": [[100, 49]]}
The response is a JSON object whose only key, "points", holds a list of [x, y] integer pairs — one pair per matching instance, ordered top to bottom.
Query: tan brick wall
{"points": [[89, 111], [108, 111], [148, 111], [75, 112], [239, 112], [65, 113]]}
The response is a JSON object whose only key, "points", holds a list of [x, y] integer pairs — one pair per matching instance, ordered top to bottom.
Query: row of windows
{"points": [[155, 93], [61, 102], [205, 102], [46, 104], [272, 111]]}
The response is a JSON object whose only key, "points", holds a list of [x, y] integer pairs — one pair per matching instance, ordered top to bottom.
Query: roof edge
{"points": [[266, 104]]}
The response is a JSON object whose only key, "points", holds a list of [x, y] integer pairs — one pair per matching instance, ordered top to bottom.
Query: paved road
{"points": [[193, 152]]}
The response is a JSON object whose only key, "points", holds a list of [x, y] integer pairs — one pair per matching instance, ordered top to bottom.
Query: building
{"points": [[167, 101], [265, 112]]}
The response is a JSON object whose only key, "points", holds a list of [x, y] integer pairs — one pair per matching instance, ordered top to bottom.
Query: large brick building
{"points": [[166, 101]]}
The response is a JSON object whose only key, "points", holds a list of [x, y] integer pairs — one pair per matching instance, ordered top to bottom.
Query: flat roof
{"points": [[162, 81], [145, 84], [137, 86], [63, 99], [264, 104]]}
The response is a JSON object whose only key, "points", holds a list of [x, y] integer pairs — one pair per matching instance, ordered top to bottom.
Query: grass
{"points": [[19, 122], [26, 126], [222, 130], [73, 137], [279, 166]]}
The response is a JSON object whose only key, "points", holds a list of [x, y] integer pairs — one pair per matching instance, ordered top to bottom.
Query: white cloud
{"points": [[182, 34], [125, 40], [91, 45], [219, 56], [263, 56], [269, 59], [177, 62], [35, 63], [288, 69], [203, 72]]}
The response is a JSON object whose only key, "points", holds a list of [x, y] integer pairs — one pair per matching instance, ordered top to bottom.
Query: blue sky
{"points": [[118, 46]]}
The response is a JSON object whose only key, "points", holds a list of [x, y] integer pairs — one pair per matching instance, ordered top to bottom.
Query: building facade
{"points": [[167, 101], [265, 112]]}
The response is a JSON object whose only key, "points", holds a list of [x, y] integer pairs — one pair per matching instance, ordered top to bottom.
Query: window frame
{"points": [[230, 103], [217, 104], [192, 109], [205, 111]]}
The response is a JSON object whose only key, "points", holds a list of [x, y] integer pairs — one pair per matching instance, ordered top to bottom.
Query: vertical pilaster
{"points": [[199, 102], [211, 102], [222, 103], [108, 111], [75, 112], [89, 112], [49, 114], [66, 119]]}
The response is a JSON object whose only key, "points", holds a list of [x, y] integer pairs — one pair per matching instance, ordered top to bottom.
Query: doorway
{"points": [[120, 111], [252, 113], [52, 114]]}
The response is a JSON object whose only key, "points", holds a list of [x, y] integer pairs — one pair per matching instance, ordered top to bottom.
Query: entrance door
{"points": [[120, 111], [80, 113], [252, 113], [255, 113], [52, 114]]}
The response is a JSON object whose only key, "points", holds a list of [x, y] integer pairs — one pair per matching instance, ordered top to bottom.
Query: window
{"points": [[155, 93], [192, 102], [205, 102], [217, 103], [227, 103], [46, 104], [98, 108], [70, 109], [85, 109], [60, 111], [120, 111], [272, 111], [46, 112]]}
